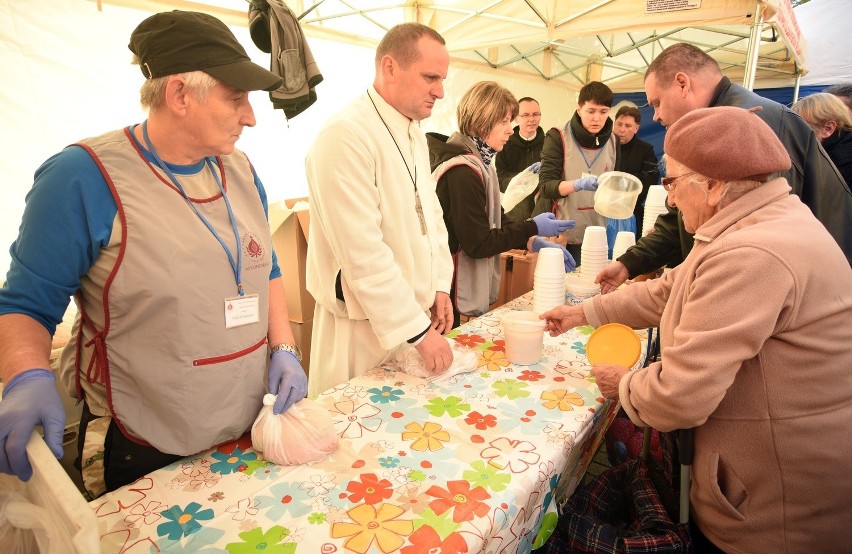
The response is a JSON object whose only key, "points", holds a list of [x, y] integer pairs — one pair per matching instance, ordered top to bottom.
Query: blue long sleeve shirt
{"points": [[68, 218]]}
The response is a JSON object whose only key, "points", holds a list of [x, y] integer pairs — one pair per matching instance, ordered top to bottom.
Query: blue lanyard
{"points": [[580, 148], [236, 266]]}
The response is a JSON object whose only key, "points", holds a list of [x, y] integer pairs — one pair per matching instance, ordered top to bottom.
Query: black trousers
{"points": [[124, 460]]}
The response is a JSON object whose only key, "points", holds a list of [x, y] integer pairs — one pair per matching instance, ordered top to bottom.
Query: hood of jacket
{"points": [[440, 150]]}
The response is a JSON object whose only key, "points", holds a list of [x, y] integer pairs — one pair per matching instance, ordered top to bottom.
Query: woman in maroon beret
{"points": [[756, 336]]}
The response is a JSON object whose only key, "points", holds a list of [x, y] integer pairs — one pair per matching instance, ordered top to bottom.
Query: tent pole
{"points": [[753, 47], [796, 88]]}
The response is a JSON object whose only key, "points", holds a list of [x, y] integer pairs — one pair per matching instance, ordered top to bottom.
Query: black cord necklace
{"points": [[418, 207]]}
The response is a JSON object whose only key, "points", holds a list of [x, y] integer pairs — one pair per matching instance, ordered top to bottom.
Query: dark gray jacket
{"points": [[813, 177]]}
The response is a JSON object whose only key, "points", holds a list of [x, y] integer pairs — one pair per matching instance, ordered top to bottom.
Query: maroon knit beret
{"points": [[727, 144]]}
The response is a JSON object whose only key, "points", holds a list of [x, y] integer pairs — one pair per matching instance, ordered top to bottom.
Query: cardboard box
{"points": [[289, 228], [517, 268], [302, 338]]}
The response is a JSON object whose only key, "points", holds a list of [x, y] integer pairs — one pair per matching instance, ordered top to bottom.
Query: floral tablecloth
{"points": [[469, 464]]}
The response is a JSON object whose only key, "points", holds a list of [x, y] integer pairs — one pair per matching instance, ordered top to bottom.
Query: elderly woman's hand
{"points": [[562, 318], [608, 377]]}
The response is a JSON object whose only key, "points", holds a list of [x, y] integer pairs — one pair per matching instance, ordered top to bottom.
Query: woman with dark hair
{"points": [[571, 160]]}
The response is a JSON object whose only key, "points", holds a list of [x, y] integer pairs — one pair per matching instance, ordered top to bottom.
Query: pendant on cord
{"points": [[419, 209]]}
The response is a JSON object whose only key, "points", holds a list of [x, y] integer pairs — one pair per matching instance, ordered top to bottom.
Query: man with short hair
{"points": [[684, 78], [844, 92], [521, 152], [637, 157], [165, 245], [379, 264]]}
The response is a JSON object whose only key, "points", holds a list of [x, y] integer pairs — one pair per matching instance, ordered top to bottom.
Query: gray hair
{"points": [[152, 94], [818, 109], [732, 190]]}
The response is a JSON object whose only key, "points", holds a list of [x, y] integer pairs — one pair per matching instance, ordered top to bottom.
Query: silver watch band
{"points": [[291, 348]]}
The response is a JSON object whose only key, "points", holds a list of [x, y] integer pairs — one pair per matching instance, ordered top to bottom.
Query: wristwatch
{"points": [[291, 348]]}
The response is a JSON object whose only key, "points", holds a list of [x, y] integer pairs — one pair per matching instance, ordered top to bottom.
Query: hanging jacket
{"points": [[275, 29]]}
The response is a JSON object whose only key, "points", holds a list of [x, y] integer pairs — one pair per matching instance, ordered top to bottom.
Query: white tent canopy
{"points": [[68, 74]]}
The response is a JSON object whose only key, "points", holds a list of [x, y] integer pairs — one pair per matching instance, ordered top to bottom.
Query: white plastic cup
{"points": [[617, 194], [656, 196], [595, 237], [623, 241], [550, 261], [523, 332]]}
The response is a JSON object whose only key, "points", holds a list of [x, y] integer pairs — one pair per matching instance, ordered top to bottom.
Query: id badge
{"points": [[586, 174], [242, 310]]}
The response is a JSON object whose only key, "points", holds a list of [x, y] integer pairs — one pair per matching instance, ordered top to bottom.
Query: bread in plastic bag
{"points": [[520, 186], [408, 360], [302, 434], [25, 527]]}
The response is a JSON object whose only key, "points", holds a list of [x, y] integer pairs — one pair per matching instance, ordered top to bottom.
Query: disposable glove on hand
{"points": [[535, 168], [586, 183], [549, 226], [539, 243], [287, 380], [29, 399]]}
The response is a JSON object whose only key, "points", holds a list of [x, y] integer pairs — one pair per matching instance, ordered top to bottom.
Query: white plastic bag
{"points": [[522, 185], [408, 360], [302, 434], [25, 527]]}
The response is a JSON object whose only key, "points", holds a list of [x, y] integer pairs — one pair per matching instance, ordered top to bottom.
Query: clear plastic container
{"points": [[617, 194]]}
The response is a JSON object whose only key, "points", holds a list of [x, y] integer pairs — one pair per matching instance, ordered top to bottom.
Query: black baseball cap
{"points": [[179, 41]]}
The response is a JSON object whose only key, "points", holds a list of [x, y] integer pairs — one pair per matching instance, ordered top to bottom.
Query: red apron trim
{"points": [[229, 357]]}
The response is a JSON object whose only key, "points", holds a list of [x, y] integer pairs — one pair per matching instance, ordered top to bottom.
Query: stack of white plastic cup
{"points": [[655, 205], [623, 241], [593, 253], [549, 280]]}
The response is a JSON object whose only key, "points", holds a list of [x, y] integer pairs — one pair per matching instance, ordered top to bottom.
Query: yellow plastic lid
{"points": [[614, 344]]}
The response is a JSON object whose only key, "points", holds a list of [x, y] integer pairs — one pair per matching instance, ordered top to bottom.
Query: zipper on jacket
{"points": [[229, 357]]}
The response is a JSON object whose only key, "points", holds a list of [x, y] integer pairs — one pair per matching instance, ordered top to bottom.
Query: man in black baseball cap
{"points": [[175, 42], [166, 246]]}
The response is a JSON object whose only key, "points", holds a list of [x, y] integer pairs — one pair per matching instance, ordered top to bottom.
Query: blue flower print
{"points": [[579, 347], [384, 395], [389, 462], [229, 463], [183, 522]]}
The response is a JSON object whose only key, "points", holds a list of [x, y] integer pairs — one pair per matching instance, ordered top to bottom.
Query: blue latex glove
{"points": [[535, 168], [586, 183], [549, 226], [539, 243], [287, 380], [29, 399]]}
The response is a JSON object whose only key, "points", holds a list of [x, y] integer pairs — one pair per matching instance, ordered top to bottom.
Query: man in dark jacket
{"points": [[684, 78], [522, 150], [637, 157]]}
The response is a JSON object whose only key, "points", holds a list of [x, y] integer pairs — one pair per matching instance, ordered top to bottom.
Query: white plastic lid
{"points": [[578, 287]]}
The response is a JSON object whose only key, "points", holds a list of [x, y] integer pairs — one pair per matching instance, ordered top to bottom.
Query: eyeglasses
{"points": [[529, 115], [669, 182]]}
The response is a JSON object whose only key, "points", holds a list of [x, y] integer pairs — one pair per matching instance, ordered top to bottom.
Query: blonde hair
{"points": [[483, 106], [818, 109]]}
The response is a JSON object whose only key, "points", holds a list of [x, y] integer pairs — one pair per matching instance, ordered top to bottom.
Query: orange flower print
{"points": [[470, 341], [498, 346], [493, 360], [561, 399], [481, 422], [429, 437], [369, 489], [466, 502], [373, 524], [427, 541]]}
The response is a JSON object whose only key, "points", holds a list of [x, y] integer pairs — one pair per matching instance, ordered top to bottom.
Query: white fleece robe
{"points": [[364, 225]]}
